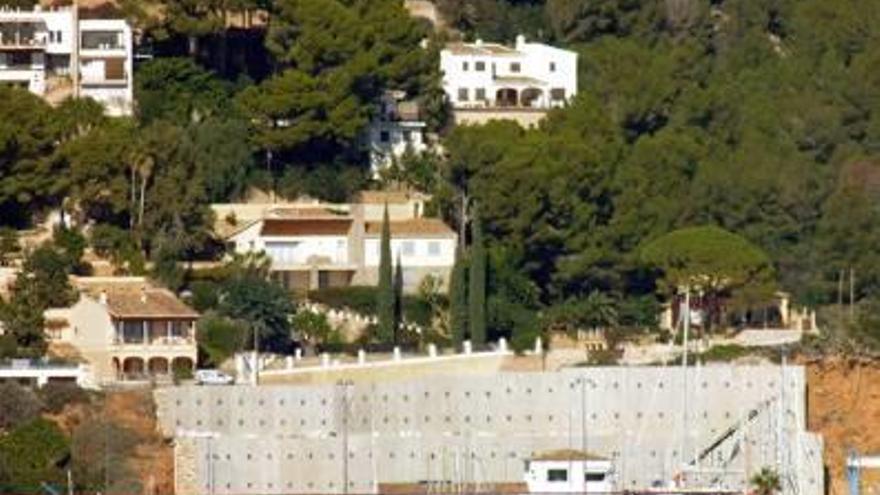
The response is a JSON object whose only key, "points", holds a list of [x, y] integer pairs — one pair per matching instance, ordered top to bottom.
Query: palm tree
{"points": [[766, 482]]}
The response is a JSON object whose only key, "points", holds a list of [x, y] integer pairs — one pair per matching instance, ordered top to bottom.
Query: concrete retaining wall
{"points": [[481, 428]]}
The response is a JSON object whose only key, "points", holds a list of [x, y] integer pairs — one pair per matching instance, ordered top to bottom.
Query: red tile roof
{"points": [[306, 227], [416, 227]]}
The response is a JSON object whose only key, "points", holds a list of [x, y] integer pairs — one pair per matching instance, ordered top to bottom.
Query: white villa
{"points": [[56, 55], [486, 81], [396, 129], [319, 245]]}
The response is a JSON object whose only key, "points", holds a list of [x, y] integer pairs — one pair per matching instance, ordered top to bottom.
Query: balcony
{"points": [[21, 38], [155, 334]]}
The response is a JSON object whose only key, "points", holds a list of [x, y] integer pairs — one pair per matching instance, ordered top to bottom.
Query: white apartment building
{"points": [[40, 48], [485, 81], [396, 129]]}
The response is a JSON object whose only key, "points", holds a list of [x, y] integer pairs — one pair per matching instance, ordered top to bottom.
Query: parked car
{"points": [[213, 377]]}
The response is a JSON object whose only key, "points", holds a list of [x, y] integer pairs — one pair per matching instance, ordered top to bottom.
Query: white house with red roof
{"points": [[314, 246]]}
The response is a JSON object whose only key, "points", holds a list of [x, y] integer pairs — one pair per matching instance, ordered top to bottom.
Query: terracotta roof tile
{"points": [[390, 197], [306, 227], [415, 227], [149, 302]]}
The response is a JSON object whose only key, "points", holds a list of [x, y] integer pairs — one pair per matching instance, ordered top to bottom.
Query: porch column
{"points": [[146, 331], [168, 331]]}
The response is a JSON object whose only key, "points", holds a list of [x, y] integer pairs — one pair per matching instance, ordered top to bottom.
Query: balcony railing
{"points": [[22, 41], [156, 341]]}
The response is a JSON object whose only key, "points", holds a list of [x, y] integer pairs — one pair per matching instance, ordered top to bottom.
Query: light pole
{"points": [[344, 385]]}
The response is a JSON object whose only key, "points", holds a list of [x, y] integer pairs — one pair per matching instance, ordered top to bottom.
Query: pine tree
{"points": [[477, 285], [385, 292], [458, 298], [398, 300]]}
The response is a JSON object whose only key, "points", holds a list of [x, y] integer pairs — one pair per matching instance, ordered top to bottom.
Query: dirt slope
{"points": [[844, 406], [154, 458]]}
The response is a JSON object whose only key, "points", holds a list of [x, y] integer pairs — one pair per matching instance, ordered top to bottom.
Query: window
{"points": [[51, 36], [58, 36], [102, 40], [19, 59], [464, 66], [480, 66], [552, 66], [515, 67], [114, 69], [462, 94], [480, 94], [557, 94], [384, 136], [407, 136], [408, 248], [434, 248], [557, 475], [594, 477]]}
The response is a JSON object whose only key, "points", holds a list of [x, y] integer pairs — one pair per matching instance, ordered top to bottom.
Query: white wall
{"points": [[383, 152], [287, 251], [418, 257], [538, 482]]}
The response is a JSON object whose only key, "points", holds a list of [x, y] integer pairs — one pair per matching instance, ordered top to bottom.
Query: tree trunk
{"points": [[193, 46], [143, 196]]}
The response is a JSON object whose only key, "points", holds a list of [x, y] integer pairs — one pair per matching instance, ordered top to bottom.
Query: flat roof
{"points": [[481, 49]]}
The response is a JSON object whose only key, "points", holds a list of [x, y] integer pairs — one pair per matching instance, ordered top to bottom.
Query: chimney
{"points": [[479, 42], [520, 42], [143, 295], [102, 298]]}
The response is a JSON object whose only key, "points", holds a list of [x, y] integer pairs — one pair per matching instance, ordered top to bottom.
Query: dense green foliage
{"points": [[757, 118], [477, 285], [458, 311]]}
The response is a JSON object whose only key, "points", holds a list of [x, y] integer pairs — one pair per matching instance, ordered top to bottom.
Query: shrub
{"points": [[205, 295], [362, 300], [219, 337], [725, 352], [57, 395], [17, 405], [30, 455]]}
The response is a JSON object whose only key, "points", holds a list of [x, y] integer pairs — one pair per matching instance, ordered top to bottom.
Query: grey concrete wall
{"points": [[292, 439]]}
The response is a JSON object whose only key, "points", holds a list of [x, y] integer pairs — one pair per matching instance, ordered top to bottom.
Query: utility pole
{"points": [[74, 43], [852, 292], [257, 353], [684, 373], [344, 385]]}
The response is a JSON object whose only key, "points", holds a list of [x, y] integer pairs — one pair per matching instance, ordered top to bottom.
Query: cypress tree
{"points": [[477, 285], [385, 292], [458, 299], [398, 300]]}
